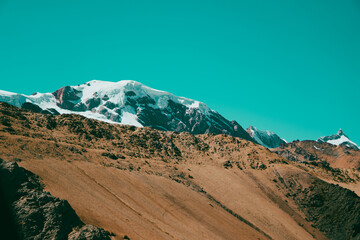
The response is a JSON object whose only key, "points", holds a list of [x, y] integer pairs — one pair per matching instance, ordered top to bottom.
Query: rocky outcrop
{"points": [[68, 98], [332, 209], [36, 214]]}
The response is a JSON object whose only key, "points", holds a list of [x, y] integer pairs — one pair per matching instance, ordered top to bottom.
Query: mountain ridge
{"points": [[132, 103], [266, 138]]}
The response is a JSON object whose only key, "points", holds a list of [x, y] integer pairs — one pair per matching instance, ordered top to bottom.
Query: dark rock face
{"points": [[67, 94], [67, 98], [93, 103], [110, 105], [31, 107], [37, 109], [52, 111], [176, 117], [333, 210], [37, 214]]}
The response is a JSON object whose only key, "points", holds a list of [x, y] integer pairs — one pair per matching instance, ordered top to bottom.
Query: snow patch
{"points": [[128, 118], [340, 140], [318, 148]]}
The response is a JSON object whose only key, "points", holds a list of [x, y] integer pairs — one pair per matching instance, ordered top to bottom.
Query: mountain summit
{"points": [[131, 103], [266, 138], [339, 138]]}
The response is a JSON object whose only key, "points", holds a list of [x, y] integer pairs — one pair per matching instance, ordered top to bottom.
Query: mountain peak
{"points": [[132, 103], [340, 132], [266, 138], [339, 138]]}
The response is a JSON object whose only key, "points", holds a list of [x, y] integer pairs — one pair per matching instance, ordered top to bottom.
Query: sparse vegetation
{"points": [[113, 155], [156, 157], [228, 164]]}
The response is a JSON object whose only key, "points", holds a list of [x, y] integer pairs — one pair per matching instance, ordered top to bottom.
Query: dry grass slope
{"points": [[149, 184]]}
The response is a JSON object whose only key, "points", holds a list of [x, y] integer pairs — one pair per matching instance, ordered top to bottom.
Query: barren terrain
{"points": [[149, 184]]}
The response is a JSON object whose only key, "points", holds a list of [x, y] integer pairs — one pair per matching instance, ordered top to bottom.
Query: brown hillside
{"points": [[149, 184]]}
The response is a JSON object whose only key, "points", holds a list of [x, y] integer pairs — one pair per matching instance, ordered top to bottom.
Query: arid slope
{"points": [[149, 184]]}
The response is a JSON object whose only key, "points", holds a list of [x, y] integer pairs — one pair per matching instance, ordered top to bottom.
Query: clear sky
{"points": [[288, 66]]}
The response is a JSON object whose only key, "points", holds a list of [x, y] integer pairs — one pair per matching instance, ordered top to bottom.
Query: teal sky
{"points": [[289, 66]]}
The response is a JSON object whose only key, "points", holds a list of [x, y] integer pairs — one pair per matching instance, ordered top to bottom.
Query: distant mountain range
{"points": [[132, 103], [270, 139]]}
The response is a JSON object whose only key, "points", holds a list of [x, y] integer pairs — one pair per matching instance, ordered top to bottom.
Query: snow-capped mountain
{"points": [[132, 103], [267, 138], [339, 138]]}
